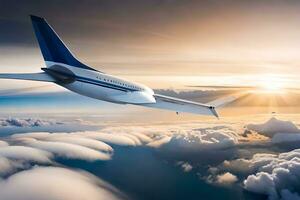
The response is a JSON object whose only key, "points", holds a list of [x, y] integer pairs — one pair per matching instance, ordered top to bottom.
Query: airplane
{"points": [[64, 69]]}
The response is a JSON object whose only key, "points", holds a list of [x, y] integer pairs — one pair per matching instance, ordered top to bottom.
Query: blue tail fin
{"points": [[52, 47]]}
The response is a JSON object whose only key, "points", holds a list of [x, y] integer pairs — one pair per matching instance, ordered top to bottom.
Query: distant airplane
{"points": [[64, 69]]}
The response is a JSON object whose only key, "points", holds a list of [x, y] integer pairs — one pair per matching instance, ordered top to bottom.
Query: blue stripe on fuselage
{"points": [[93, 81]]}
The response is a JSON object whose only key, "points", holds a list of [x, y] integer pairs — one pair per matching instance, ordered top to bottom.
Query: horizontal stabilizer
{"points": [[29, 76]]}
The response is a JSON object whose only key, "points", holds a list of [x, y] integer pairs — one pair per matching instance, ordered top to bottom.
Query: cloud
{"points": [[27, 122], [9, 126], [273, 126], [143, 134], [194, 134], [36, 135], [190, 137], [72, 138], [285, 138], [92, 139], [116, 139], [202, 139], [180, 141], [86, 142], [159, 142], [188, 142], [205, 142], [3, 143], [167, 143], [67, 145], [193, 147], [44, 148], [68, 150], [25, 153], [13, 158], [242, 165], [5, 166], [187, 167], [275, 174], [226, 179], [62, 183], [262, 183]]}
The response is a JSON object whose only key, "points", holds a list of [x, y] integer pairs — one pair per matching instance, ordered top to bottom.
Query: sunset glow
{"points": [[270, 84]]}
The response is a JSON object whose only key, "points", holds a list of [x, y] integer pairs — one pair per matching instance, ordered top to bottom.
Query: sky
{"points": [[175, 43], [99, 150]]}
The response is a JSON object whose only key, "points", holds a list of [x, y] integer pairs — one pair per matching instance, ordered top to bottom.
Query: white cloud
{"points": [[273, 126], [142, 133], [35, 135], [195, 135], [188, 136], [72, 138], [116, 139], [202, 139], [86, 142], [159, 142], [94, 145], [68, 150], [25, 153], [13, 158], [257, 162], [5, 166], [274, 174], [226, 179], [53, 183], [262, 183]]}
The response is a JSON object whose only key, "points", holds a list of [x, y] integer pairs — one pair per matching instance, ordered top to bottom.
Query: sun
{"points": [[270, 84]]}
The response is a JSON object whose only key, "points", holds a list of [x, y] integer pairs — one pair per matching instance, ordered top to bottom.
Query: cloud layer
{"points": [[196, 148], [63, 183]]}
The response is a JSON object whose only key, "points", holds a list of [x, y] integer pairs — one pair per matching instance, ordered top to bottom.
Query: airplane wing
{"points": [[42, 76], [223, 101], [180, 105]]}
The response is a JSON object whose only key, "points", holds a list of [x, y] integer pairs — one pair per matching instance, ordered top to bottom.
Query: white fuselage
{"points": [[106, 87]]}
